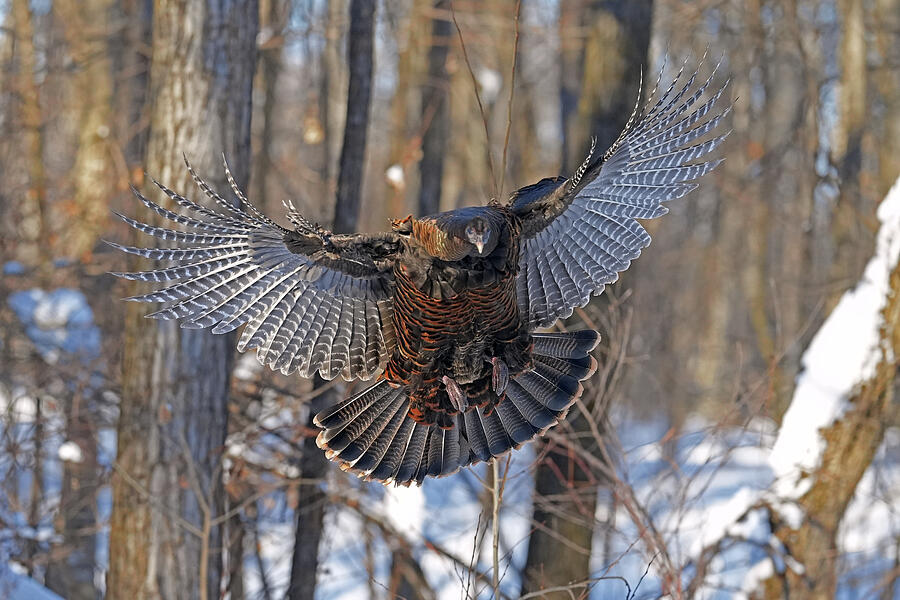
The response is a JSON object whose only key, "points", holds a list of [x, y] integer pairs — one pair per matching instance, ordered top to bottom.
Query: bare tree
{"points": [[435, 114], [353, 151], [93, 174], [94, 183], [33, 210], [565, 495], [311, 503], [165, 540]]}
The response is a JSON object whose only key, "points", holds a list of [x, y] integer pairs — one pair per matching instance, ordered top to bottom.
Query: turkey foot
{"points": [[499, 376], [456, 394]]}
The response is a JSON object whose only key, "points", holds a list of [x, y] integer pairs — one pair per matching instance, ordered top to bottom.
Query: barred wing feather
{"points": [[580, 233], [309, 300]]}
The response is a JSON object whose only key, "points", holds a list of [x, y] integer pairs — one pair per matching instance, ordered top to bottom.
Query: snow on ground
{"points": [[13, 267], [59, 323], [844, 353], [717, 477], [707, 498], [17, 586]]}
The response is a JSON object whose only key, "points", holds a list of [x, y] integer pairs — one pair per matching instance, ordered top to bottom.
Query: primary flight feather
{"points": [[443, 309]]}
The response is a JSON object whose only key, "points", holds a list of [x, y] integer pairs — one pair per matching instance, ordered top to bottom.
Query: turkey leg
{"points": [[499, 376], [456, 394]]}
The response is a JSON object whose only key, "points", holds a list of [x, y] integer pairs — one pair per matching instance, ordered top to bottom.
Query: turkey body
{"points": [[445, 313], [452, 317]]}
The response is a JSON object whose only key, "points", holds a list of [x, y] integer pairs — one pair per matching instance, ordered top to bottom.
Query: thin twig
{"points": [[509, 105], [487, 134], [495, 532], [476, 544], [587, 583]]}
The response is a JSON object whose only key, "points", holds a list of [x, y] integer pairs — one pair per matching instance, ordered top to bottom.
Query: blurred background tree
{"points": [[184, 460]]}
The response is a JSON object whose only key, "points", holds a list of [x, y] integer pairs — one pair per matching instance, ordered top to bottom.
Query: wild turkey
{"points": [[444, 310]]}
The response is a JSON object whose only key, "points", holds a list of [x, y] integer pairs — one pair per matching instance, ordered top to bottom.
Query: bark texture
{"points": [[165, 538]]}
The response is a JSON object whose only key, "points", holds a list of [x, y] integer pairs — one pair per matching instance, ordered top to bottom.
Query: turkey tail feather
{"points": [[537, 399], [373, 436]]}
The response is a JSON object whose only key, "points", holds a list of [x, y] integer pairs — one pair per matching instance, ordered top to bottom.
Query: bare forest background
{"points": [[138, 460]]}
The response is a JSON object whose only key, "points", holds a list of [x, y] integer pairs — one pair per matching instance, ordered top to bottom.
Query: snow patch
{"points": [[491, 83], [395, 176], [13, 267], [58, 322], [247, 367], [18, 406], [70, 452], [404, 509], [725, 520], [755, 576], [15, 586]]}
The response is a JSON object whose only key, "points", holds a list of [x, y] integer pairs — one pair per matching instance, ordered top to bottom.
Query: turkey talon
{"points": [[499, 376], [456, 394]]}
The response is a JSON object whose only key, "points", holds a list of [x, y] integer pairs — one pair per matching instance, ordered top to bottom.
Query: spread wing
{"points": [[579, 233], [310, 300]]}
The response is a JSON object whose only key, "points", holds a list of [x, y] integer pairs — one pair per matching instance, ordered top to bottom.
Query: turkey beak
{"points": [[480, 245]]}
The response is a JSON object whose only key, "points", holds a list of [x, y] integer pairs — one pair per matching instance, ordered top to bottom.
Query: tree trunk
{"points": [[273, 18], [616, 49], [887, 84], [130, 86], [332, 99], [435, 115], [353, 151], [93, 174], [311, 501], [165, 541], [73, 575]]}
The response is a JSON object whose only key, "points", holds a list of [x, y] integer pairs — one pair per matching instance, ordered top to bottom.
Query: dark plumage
{"points": [[442, 309]]}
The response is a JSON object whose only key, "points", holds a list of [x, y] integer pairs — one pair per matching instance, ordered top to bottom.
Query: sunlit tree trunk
{"points": [[886, 81], [332, 96], [93, 173], [33, 227], [165, 539]]}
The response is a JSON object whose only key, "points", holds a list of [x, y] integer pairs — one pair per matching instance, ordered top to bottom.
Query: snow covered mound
{"points": [[843, 354]]}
